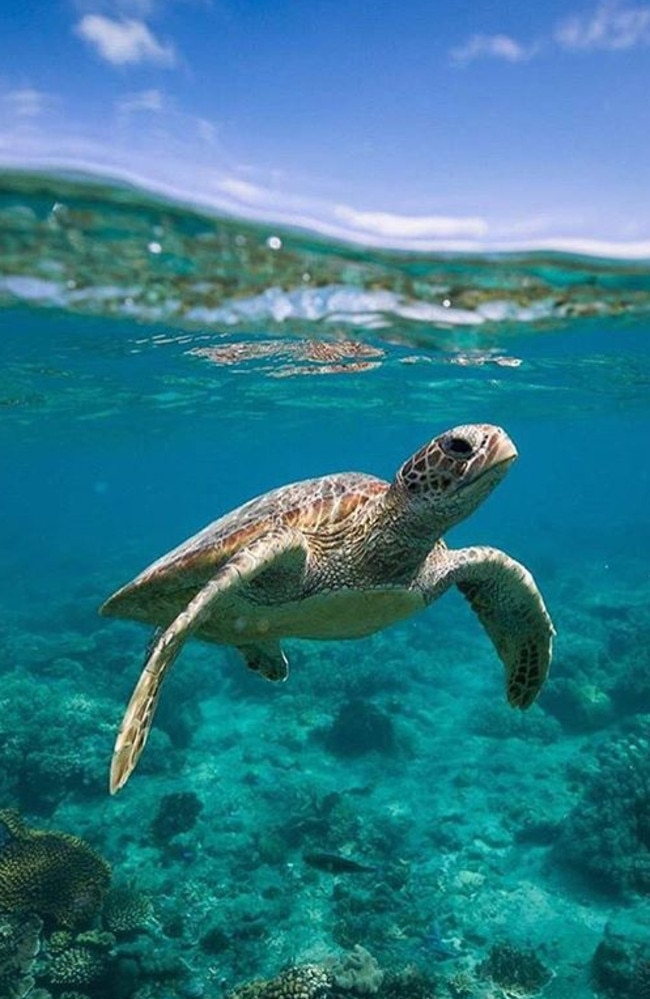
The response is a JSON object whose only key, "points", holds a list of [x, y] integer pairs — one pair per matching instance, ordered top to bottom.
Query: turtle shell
{"points": [[321, 506]]}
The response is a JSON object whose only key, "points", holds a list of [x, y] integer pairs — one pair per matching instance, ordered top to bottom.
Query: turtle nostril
{"points": [[457, 447]]}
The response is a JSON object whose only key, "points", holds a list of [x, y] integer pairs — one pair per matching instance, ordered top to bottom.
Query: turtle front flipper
{"points": [[243, 567], [507, 602]]}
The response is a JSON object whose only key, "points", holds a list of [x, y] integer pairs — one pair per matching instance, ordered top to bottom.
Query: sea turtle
{"points": [[340, 556]]}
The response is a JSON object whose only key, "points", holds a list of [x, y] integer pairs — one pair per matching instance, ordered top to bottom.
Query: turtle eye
{"points": [[457, 447]]}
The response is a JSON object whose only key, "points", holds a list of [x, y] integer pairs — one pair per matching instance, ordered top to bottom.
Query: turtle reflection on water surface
{"points": [[336, 557]]}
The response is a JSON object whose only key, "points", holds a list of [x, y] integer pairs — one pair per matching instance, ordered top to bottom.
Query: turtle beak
{"points": [[500, 449], [493, 458]]}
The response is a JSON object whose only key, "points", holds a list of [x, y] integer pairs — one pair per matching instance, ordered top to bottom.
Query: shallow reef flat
{"points": [[381, 824]]}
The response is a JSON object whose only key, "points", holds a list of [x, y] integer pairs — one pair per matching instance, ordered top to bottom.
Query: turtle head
{"points": [[449, 477]]}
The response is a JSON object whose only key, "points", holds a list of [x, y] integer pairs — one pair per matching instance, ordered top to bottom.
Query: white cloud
{"points": [[611, 25], [124, 41], [491, 47], [152, 101], [26, 102], [141, 114], [207, 131], [243, 190], [392, 226]]}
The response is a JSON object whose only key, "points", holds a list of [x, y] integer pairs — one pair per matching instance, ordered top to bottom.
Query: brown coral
{"points": [[57, 876], [127, 910], [78, 959], [77, 966], [517, 970], [304, 981], [411, 983]]}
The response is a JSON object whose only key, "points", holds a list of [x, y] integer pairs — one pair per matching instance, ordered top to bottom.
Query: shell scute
{"points": [[313, 506]]}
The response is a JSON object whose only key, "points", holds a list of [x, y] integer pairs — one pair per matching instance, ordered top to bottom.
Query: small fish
{"points": [[334, 863], [435, 944]]}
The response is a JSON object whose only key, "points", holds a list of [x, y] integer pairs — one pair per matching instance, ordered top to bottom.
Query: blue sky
{"points": [[428, 123]]}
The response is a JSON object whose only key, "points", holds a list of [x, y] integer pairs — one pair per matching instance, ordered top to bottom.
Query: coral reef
{"points": [[579, 704], [498, 721], [359, 728], [38, 767], [177, 813], [322, 819], [607, 835], [57, 876], [126, 910], [362, 911], [214, 940], [20, 942], [154, 960], [75, 961], [621, 962], [76, 966], [517, 970], [357, 971], [345, 977], [306, 981], [408, 983], [461, 985]]}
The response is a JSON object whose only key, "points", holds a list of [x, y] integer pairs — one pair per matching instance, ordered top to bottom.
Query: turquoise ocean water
{"points": [[159, 367]]}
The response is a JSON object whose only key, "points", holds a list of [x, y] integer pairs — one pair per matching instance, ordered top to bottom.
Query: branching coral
{"points": [[57, 876], [126, 910], [78, 959], [77, 966]]}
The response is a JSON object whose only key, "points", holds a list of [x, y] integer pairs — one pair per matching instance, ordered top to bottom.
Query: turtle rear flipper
{"points": [[243, 567], [507, 602], [267, 659]]}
